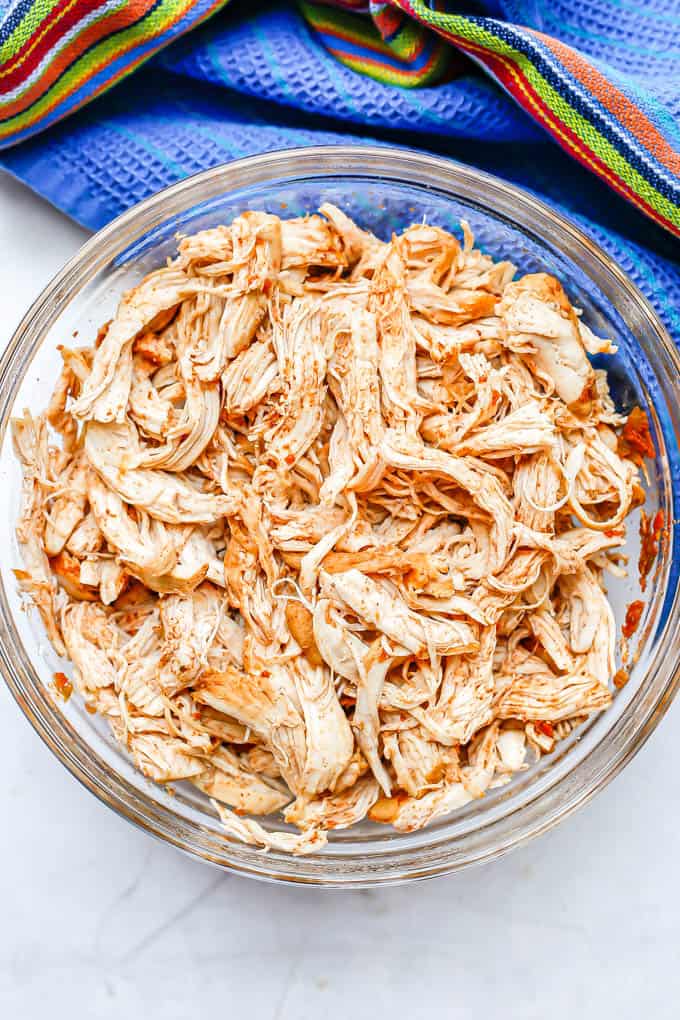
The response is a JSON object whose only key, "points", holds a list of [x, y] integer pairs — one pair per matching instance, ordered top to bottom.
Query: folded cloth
{"points": [[57, 55], [265, 75], [595, 80]]}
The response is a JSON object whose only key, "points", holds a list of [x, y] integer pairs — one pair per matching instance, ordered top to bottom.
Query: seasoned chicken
{"points": [[388, 301], [232, 323], [542, 323], [302, 368], [354, 368], [106, 390], [168, 497], [68, 508], [321, 523], [36, 579], [384, 611], [190, 625], [229, 780], [338, 811]]}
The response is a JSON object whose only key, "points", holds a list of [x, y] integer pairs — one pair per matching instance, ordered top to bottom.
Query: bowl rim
{"points": [[327, 161]]}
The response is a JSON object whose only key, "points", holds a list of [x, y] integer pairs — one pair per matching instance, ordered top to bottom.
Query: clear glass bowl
{"points": [[385, 189]]}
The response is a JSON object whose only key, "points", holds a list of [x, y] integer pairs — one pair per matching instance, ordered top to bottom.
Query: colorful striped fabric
{"points": [[393, 49], [56, 55], [601, 77], [606, 126]]}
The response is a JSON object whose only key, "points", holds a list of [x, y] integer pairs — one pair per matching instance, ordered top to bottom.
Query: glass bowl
{"points": [[385, 189]]}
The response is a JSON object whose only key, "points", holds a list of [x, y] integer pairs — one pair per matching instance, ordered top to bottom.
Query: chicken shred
{"points": [[321, 523]]}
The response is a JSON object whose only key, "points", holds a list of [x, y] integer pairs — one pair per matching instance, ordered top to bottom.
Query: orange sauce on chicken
{"points": [[635, 440], [650, 533], [633, 617], [620, 678], [63, 686]]}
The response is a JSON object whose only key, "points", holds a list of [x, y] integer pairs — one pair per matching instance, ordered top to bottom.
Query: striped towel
{"points": [[56, 55], [496, 88], [622, 126]]}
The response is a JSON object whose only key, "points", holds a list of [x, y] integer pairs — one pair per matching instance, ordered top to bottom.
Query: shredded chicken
{"points": [[321, 523]]}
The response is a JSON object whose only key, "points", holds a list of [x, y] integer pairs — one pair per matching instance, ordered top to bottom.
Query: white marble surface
{"points": [[100, 921]]}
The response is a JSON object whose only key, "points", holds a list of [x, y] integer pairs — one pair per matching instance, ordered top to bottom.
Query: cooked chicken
{"points": [[542, 324], [106, 391], [322, 521], [229, 780]]}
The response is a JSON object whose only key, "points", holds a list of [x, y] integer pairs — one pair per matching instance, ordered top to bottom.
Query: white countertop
{"points": [[100, 921]]}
